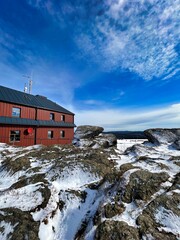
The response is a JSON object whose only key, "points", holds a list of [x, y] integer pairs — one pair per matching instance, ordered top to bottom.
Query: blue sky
{"points": [[114, 63]]}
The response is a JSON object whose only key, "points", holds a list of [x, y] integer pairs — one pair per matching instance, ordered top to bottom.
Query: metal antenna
{"points": [[30, 83], [30, 86], [25, 88]]}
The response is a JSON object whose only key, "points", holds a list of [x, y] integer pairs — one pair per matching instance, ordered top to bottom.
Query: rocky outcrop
{"points": [[86, 131], [92, 136], [164, 136], [106, 140], [177, 144], [142, 185], [94, 192], [111, 210], [159, 215], [24, 225], [116, 230]]}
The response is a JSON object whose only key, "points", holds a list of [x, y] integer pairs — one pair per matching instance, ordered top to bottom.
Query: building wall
{"points": [[26, 112], [30, 113], [45, 115], [41, 134], [25, 139]]}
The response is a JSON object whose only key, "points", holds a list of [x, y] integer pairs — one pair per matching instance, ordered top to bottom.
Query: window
{"points": [[16, 112], [51, 116], [63, 118], [62, 133], [50, 134], [15, 136]]}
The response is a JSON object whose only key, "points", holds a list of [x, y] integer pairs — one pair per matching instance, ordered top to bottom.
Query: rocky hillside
{"points": [[95, 189]]}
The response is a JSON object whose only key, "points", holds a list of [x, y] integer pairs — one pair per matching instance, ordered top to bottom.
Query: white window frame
{"points": [[16, 112]]}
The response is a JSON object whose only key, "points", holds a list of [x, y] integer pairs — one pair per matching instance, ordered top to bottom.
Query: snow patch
{"points": [[123, 144], [74, 178], [7, 179], [25, 198], [169, 220], [7, 229]]}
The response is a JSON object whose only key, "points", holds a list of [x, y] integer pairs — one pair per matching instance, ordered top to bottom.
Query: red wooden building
{"points": [[26, 120]]}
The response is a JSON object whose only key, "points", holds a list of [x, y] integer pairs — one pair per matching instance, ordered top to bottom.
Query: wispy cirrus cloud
{"points": [[135, 35], [141, 36], [56, 40], [139, 119]]}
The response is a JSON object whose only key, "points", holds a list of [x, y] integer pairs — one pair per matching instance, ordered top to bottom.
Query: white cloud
{"points": [[138, 35], [141, 36], [93, 102], [134, 119]]}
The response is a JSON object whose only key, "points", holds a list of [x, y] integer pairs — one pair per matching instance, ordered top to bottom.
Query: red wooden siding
{"points": [[26, 112], [45, 115], [39, 134], [42, 136], [25, 139]]}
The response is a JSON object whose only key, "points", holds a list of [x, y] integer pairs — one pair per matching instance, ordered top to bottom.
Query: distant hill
{"points": [[128, 134]]}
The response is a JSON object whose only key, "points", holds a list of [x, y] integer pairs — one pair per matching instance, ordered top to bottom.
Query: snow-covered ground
{"points": [[123, 144], [72, 202]]}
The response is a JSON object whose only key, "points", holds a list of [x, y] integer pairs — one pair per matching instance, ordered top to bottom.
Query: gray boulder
{"points": [[86, 131], [92, 136], [163, 136], [106, 140]]}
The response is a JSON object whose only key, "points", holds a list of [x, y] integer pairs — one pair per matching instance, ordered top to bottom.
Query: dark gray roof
{"points": [[21, 98], [31, 122]]}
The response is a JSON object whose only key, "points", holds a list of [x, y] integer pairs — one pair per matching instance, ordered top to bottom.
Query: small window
{"points": [[16, 112], [51, 116], [63, 118], [62, 133], [50, 134], [15, 136]]}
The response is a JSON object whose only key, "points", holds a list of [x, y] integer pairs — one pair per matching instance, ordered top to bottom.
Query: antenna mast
{"points": [[29, 85], [25, 88]]}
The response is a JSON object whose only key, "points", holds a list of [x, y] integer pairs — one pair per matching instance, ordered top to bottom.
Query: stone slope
{"points": [[92, 193]]}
